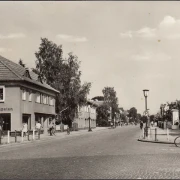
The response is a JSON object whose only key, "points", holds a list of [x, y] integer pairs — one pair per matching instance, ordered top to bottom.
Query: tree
{"points": [[21, 63], [63, 75], [110, 99], [133, 114], [102, 115], [152, 117], [123, 118], [144, 119]]}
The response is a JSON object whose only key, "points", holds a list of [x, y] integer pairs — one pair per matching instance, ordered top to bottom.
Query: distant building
{"points": [[24, 97], [84, 113]]}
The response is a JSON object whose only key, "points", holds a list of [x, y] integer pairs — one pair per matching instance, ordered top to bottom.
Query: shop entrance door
{"points": [[6, 117], [26, 118]]}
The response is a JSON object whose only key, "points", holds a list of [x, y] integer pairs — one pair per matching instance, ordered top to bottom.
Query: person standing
{"points": [[152, 123], [51, 128], [24, 129], [68, 129]]}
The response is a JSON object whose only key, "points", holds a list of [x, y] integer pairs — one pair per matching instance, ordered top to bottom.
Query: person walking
{"points": [[141, 124], [38, 127], [50, 128], [53, 129], [68, 130]]}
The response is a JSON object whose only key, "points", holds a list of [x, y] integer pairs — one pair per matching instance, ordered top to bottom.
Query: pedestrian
{"points": [[152, 123], [111, 124], [141, 124], [1, 126], [38, 127], [50, 128], [24, 129], [53, 129], [68, 130]]}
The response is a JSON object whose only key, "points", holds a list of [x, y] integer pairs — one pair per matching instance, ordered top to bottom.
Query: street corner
{"points": [[153, 141]]}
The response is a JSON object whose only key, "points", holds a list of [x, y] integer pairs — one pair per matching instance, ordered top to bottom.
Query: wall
{"points": [[12, 101], [17, 107], [32, 107], [83, 117]]}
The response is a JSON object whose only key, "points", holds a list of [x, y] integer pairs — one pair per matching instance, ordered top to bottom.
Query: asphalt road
{"points": [[105, 154]]}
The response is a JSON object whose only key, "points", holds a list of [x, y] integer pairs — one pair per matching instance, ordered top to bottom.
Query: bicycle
{"points": [[177, 141]]}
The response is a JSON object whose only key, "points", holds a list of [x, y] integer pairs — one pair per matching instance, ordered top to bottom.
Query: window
{"points": [[2, 93], [23, 94], [30, 96], [38, 97], [41, 98], [47, 99], [51, 101]]}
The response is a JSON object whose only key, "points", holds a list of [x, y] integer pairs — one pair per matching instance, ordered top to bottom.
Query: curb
{"points": [[45, 139], [161, 142]]}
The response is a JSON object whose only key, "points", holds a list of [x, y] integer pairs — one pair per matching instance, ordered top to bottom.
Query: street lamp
{"points": [[146, 91], [89, 119], [115, 120]]}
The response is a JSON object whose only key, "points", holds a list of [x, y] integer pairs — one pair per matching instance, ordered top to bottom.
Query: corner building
{"points": [[24, 97]]}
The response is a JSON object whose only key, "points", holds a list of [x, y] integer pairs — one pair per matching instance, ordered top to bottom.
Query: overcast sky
{"points": [[130, 46]]}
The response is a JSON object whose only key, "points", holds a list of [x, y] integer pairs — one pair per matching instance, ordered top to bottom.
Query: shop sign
{"points": [[6, 109]]}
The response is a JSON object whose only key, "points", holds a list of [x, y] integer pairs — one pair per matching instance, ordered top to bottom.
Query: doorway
{"points": [[6, 117], [26, 118]]}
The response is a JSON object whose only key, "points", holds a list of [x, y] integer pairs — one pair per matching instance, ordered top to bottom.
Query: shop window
{"points": [[2, 93], [23, 94], [38, 97]]}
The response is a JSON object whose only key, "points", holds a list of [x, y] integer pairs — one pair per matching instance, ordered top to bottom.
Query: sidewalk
{"points": [[163, 135], [45, 137]]}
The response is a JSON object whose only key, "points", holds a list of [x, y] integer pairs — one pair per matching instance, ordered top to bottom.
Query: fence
{"points": [[152, 134], [19, 136]]}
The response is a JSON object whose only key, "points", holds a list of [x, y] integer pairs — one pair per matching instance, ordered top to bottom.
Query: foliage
{"points": [[21, 63], [63, 75], [110, 99], [102, 113], [133, 114], [138, 117], [152, 117], [123, 118], [144, 119], [103, 123]]}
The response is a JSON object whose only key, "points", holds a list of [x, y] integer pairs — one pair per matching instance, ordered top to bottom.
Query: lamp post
{"points": [[146, 91], [89, 119], [115, 120]]}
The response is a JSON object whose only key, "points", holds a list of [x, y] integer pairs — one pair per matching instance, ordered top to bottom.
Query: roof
{"points": [[12, 71], [95, 103]]}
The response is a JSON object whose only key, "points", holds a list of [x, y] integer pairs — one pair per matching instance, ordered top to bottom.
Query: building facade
{"points": [[24, 97], [84, 113]]}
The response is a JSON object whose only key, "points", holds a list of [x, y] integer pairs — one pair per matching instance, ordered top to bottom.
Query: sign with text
{"points": [[6, 109]]}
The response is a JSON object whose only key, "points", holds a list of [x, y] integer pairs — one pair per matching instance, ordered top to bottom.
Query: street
{"points": [[110, 154]]}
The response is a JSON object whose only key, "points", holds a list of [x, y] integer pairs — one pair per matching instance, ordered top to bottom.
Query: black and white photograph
{"points": [[89, 90]]}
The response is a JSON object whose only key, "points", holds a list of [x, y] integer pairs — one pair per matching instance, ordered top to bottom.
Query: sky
{"points": [[130, 46]]}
